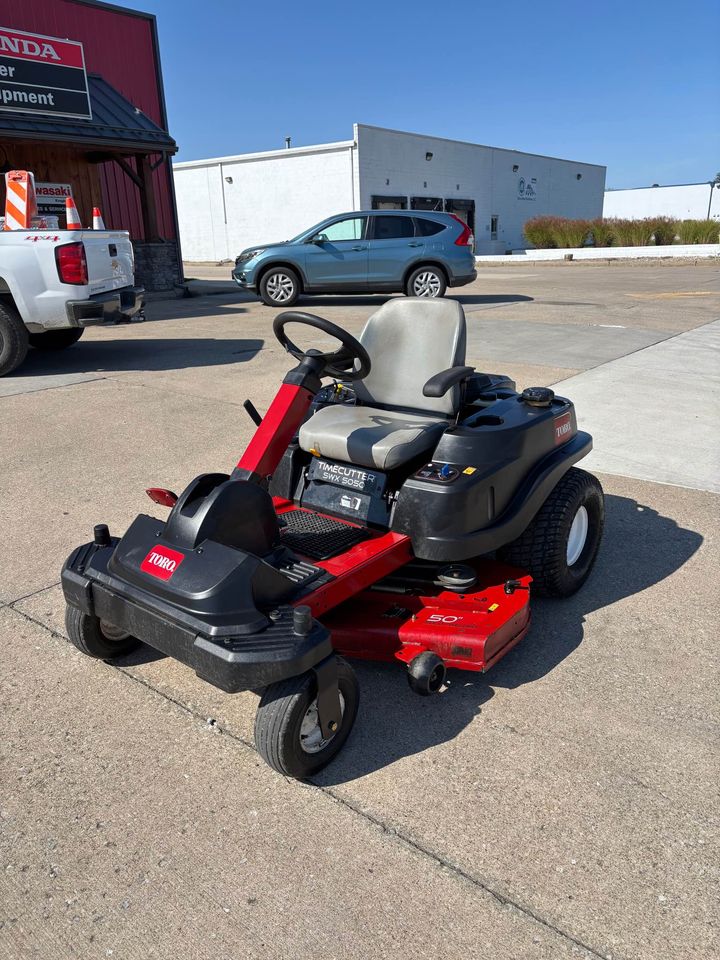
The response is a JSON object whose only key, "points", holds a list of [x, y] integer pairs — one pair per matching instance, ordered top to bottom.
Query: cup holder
{"points": [[488, 421]]}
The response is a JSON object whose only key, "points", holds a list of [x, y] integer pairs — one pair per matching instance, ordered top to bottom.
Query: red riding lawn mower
{"points": [[400, 513]]}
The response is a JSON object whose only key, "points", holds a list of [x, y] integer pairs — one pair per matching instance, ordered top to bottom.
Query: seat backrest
{"points": [[409, 340]]}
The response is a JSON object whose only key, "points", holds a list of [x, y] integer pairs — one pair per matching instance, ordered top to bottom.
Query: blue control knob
{"points": [[445, 470]]}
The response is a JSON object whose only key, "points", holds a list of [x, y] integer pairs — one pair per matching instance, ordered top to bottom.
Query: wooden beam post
{"points": [[147, 197]]}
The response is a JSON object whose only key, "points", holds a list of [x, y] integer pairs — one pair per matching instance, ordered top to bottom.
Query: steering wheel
{"points": [[340, 363]]}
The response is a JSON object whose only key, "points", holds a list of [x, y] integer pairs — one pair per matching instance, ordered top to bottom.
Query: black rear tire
{"points": [[428, 281], [280, 287], [13, 339], [56, 339], [542, 550], [87, 634], [279, 722]]}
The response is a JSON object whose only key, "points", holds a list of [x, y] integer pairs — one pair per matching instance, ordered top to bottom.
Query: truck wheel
{"points": [[426, 282], [280, 287], [13, 339], [56, 339], [559, 547], [95, 638], [287, 730]]}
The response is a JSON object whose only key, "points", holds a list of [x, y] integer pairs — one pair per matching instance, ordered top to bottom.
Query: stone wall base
{"points": [[156, 266]]}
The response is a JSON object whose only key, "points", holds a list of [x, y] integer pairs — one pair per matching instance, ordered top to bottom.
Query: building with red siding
{"points": [[82, 106]]}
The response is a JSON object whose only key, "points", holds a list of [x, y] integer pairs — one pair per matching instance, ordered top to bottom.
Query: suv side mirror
{"points": [[318, 238]]}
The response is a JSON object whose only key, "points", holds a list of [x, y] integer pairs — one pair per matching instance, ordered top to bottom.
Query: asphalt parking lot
{"points": [[563, 805]]}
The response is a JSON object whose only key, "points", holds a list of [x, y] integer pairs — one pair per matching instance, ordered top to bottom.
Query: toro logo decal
{"points": [[563, 428], [162, 562]]}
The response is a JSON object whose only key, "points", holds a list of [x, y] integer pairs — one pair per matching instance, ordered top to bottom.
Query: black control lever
{"points": [[252, 412], [512, 585]]}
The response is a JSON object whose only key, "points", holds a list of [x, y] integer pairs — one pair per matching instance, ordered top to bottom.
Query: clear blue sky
{"points": [[633, 85]]}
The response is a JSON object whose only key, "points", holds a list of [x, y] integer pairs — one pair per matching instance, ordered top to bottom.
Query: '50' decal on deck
{"points": [[162, 562]]}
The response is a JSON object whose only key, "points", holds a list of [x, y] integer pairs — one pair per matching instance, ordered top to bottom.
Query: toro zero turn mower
{"points": [[400, 513]]}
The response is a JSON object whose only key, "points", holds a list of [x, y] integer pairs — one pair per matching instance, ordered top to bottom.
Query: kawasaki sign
{"points": [[42, 75]]}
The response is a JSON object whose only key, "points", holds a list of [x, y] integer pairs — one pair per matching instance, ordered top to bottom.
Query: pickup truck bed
{"points": [[53, 283]]}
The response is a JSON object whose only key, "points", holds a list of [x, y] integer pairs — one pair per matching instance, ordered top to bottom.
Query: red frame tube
{"points": [[278, 427]]}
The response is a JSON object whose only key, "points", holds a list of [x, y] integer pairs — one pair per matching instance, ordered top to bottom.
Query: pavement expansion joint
{"points": [[27, 596], [409, 842]]}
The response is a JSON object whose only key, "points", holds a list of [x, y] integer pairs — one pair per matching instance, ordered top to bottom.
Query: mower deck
{"points": [[405, 615]]}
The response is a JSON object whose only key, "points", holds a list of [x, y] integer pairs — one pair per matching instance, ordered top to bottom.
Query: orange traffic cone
{"points": [[71, 215], [98, 223]]}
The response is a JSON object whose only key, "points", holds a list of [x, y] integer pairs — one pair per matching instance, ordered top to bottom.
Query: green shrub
{"points": [[664, 230], [699, 231], [540, 232], [547, 232], [571, 233], [602, 233], [633, 233]]}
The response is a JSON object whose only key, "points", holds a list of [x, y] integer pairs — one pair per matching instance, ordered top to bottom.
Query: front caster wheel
{"points": [[95, 638], [426, 673], [287, 729]]}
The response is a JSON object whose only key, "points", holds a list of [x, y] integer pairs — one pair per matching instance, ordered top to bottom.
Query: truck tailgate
{"points": [[110, 259]]}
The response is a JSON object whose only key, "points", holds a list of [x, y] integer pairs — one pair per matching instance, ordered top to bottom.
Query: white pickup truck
{"points": [[54, 283]]}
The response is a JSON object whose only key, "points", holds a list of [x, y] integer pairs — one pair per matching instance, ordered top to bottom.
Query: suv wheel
{"points": [[426, 282], [280, 287]]}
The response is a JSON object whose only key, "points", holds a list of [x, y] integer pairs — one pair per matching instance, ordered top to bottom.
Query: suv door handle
{"points": [[414, 244], [358, 248]]}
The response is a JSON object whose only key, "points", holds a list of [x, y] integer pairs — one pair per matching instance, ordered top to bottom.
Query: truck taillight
{"points": [[466, 238], [72, 263]]}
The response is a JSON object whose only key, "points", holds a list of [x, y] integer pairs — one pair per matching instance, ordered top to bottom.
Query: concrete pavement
{"points": [[565, 805]]}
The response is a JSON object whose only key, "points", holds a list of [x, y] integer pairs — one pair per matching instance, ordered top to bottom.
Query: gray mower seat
{"points": [[409, 341]]}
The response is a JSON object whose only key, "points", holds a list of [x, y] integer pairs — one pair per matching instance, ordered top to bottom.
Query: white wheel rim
{"points": [[427, 284], [280, 287], [578, 536], [311, 738]]}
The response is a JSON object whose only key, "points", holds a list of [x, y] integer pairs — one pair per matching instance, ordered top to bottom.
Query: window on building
{"points": [[389, 203], [426, 203], [393, 228], [428, 228], [493, 228], [350, 229]]}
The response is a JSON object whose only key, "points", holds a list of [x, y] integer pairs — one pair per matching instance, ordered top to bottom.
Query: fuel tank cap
{"points": [[538, 396]]}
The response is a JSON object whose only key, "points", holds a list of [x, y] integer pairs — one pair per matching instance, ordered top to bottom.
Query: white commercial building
{"points": [[685, 201], [229, 203]]}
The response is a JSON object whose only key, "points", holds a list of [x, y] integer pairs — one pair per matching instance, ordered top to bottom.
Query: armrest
{"points": [[439, 385]]}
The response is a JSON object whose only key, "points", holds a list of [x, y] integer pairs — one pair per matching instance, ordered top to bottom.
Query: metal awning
{"points": [[116, 126]]}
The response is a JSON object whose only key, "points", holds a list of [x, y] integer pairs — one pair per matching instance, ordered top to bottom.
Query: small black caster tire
{"points": [[56, 339], [559, 547], [95, 638], [426, 673], [287, 731]]}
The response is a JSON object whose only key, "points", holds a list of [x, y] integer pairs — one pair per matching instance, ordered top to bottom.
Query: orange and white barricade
{"points": [[20, 204]]}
